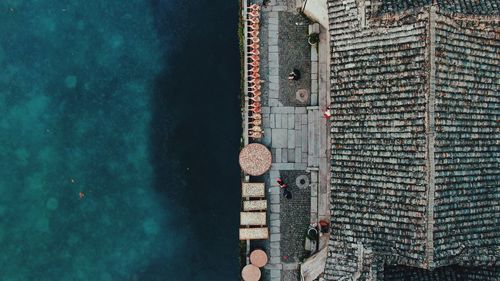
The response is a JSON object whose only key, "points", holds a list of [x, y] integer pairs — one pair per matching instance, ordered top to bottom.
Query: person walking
{"points": [[294, 75], [284, 187]]}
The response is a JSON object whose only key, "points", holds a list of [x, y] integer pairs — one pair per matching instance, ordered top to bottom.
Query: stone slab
{"points": [[287, 109], [300, 110], [277, 118], [291, 121], [279, 138], [291, 138], [291, 154], [284, 155], [298, 155], [277, 158], [283, 166], [275, 237]]}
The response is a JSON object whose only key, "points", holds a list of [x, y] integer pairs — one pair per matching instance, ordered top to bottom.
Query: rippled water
{"points": [[119, 139]]}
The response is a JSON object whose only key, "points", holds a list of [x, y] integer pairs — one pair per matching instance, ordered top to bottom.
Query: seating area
{"points": [[253, 61], [253, 221], [251, 271]]}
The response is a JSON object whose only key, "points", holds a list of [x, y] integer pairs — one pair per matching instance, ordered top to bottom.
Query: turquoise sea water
{"points": [[96, 175]]}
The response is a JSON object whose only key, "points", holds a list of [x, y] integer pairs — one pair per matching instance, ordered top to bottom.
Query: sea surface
{"points": [[119, 138]]}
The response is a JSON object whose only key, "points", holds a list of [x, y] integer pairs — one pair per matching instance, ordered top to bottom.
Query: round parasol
{"points": [[255, 159], [258, 258], [250, 273]]}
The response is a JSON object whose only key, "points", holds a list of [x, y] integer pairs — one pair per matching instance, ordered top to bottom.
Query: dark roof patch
{"points": [[472, 7]]}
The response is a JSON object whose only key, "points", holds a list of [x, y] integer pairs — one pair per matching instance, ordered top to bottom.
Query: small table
{"points": [[258, 258], [250, 273]]}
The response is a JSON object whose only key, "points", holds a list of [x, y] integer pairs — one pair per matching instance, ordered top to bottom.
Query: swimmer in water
{"points": [[81, 194]]}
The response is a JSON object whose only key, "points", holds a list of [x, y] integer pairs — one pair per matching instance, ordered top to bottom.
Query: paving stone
{"points": [[273, 18], [273, 29], [273, 49], [314, 56], [273, 58], [314, 65], [274, 72], [314, 77], [273, 78], [273, 88], [314, 88], [314, 99], [273, 102], [283, 110], [300, 110], [277, 118], [304, 119], [265, 120], [291, 120], [284, 121], [272, 122], [298, 122], [304, 136], [298, 137], [279, 138], [291, 138], [266, 140], [291, 152], [284, 155], [298, 155], [277, 157], [304, 157], [284, 166], [300, 166], [274, 174], [314, 176], [314, 189], [273, 190], [275, 198], [314, 204], [275, 208], [274, 217], [275, 223], [274, 229], [275, 237], [275, 245], [275, 252], [275, 260], [275, 266], [275, 273]]}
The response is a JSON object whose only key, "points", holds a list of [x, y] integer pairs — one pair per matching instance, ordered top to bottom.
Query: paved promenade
{"points": [[292, 130]]}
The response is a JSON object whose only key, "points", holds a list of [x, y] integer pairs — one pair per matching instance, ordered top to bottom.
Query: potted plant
{"points": [[313, 39]]}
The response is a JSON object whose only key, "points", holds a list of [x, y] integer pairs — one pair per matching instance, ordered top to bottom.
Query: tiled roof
{"points": [[391, 6], [473, 7], [477, 7], [467, 143], [415, 173], [448, 273]]}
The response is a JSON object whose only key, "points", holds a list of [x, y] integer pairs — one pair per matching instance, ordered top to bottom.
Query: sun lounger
{"points": [[253, 190], [254, 205], [253, 218], [254, 233]]}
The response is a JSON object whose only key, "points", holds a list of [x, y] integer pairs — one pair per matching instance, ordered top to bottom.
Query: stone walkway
{"points": [[285, 122], [292, 132]]}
